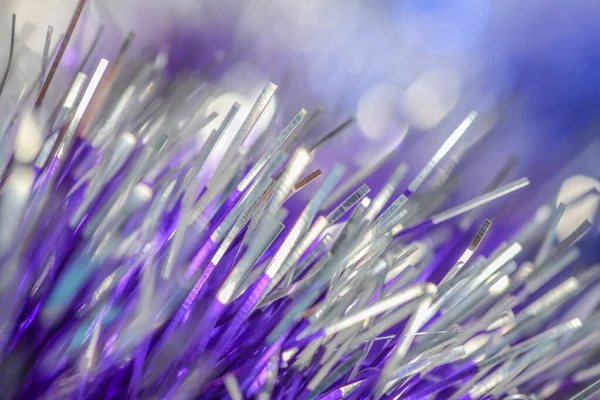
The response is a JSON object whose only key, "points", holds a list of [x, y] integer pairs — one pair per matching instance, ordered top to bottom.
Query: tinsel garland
{"points": [[132, 267]]}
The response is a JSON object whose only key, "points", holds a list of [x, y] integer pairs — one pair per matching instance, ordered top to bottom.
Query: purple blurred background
{"points": [[409, 71]]}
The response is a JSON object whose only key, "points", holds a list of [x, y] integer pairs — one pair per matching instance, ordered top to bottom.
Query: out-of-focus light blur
{"points": [[431, 97], [581, 194]]}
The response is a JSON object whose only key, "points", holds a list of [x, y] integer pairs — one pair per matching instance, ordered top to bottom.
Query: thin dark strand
{"points": [[57, 46], [124, 47], [91, 49], [46, 52], [61, 52], [10, 53], [54, 53], [80, 68], [32, 88], [99, 99], [314, 116], [349, 121], [304, 128], [503, 173]]}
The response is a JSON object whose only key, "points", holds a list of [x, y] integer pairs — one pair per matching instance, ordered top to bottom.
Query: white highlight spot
{"points": [[431, 97], [376, 109], [28, 141], [581, 194], [14, 198], [500, 286]]}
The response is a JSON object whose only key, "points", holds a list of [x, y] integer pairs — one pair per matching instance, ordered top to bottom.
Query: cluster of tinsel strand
{"points": [[124, 274]]}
